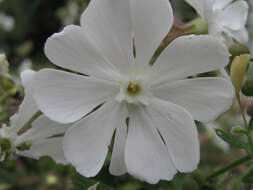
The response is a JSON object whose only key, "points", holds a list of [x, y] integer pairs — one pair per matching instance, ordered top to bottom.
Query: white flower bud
{"points": [[4, 65], [93, 187]]}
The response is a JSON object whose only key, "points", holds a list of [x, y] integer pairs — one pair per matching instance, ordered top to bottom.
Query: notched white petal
{"points": [[152, 21], [72, 49], [189, 55], [65, 97], [205, 98], [179, 132], [86, 143], [47, 147], [146, 156]]}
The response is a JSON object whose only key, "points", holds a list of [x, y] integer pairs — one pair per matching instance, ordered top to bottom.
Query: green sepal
{"points": [[238, 49], [247, 88], [238, 130], [232, 140], [81, 182]]}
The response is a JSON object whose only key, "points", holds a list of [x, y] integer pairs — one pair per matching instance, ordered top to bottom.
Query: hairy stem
{"points": [[245, 121], [228, 167]]}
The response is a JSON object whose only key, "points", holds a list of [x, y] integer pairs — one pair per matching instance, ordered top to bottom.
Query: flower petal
{"points": [[221, 4], [201, 6], [235, 15], [152, 21], [108, 25], [241, 36], [72, 49], [189, 55], [66, 97], [204, 98], [28, 107], [42, 128], [179, 132], [86, 143], [47, 147], [146, 156], [117, 165]]}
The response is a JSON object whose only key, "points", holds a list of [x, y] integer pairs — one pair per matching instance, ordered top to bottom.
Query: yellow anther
{"points": [[133, 88]]}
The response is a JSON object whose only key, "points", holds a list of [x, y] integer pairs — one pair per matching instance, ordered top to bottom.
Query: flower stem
{"points": [[242, 112], [245, 122], [228, 167]]}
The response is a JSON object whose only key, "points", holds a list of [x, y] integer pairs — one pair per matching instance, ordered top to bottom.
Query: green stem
{"points": [[251, 59], [245, 121], [250, 140], [228, 167]]}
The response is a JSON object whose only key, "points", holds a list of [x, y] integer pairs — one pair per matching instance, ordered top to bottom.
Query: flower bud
{"points": [[238, 49], [4, 65], [238, 71], [247, 88], [250, 110], [238, 130], [52, 180], [93, 187]]}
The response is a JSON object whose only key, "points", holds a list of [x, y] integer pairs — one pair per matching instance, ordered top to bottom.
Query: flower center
{"points": [[133, 88], [24, 146]]}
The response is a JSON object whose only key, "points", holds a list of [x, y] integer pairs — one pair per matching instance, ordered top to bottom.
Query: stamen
{"points": [[133, 88], [5, 145], [24, 146]]}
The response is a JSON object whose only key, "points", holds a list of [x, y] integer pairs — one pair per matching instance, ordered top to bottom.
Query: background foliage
{"points": [[32, 22]]}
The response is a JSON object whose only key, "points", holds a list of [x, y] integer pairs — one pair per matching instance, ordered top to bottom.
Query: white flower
{"points": [[226, 19], [6, 22], [25, 65], [154, 98], [36, 141]]}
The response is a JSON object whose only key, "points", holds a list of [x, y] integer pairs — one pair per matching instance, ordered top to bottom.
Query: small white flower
{"points": [[226, 19], [6, 22], [157, 99], [37, 140]]}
